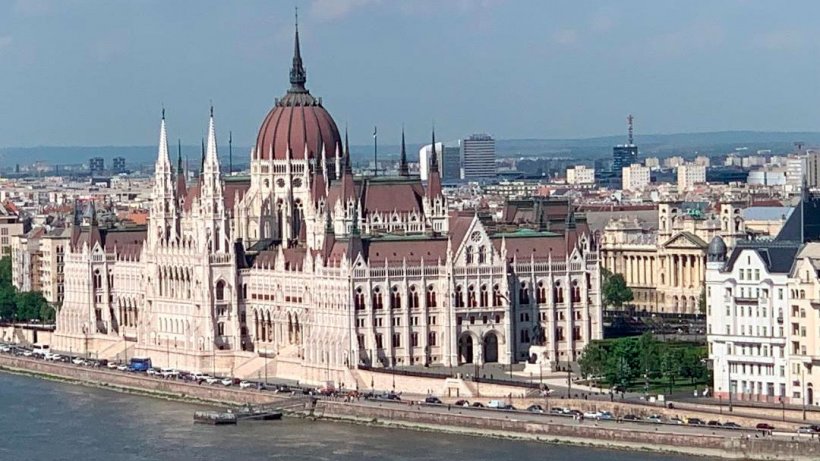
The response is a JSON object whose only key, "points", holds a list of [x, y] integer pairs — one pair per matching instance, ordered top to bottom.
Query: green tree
{"points": [[614, 291], [31, 305], [648, 354], [593, 361], [671, 365]]}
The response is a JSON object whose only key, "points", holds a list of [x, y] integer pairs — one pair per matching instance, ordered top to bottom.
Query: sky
{"points": [[97, 72]]}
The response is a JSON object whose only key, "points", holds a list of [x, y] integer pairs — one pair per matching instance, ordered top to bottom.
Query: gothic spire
{"points": [[298, 76], [179, 156], [433, 156], [163, 161], [348, 167], [403, 169]]}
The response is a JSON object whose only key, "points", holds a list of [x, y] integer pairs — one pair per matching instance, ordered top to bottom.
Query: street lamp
{"points": [[729, 374]]}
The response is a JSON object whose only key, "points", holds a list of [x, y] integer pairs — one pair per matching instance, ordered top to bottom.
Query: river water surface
{"points": [[44, 420]]}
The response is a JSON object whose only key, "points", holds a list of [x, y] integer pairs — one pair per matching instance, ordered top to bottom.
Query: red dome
{"points": [[297, 121]]}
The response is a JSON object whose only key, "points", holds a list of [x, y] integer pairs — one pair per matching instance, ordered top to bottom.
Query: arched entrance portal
{"points": [[490, 348], [465, 349], [810, 394]]}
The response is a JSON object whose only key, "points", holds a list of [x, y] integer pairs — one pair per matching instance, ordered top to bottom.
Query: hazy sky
{"points": [[95, 72]]}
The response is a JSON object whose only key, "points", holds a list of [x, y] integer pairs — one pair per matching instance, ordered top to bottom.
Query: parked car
{"points": [[5, 348], [40, 350], [53, 357], [78, 361], [113, 365], [122, 367], [152, 372], [168, 373], [212, 380], [229, 381], [246, 384], [392, 396], [432, 400], [462, 403], [495, 404], [477, 405], [535, 408], [559, 411], [575, 413], [592, 414], [605, 415], [631, 418], [657, 419], [675, 420], [695, 422], [714, 423], [732, 425], [764, 427], [806, 430]]}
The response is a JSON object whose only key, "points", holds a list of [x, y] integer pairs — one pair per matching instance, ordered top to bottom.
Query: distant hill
{"points": [[714, 143]]}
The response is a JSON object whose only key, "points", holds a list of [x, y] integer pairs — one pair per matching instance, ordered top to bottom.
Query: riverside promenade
{"points": [[705, 441]]}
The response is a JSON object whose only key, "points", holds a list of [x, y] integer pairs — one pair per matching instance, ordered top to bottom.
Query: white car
{"points": [[5, 348], [28, 353], [53, 357], [78, 361], [113, 365], [122, 367], [152, 372], [168, 373], [199, 376], [212, 380], [227, 381], [246, 384], [592, 414]]}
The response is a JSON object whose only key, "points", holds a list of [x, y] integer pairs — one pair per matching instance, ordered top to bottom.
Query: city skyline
{"points": [[468, 65]]}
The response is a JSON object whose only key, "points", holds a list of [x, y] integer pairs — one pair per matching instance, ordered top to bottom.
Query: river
{"points": [[44, 420]]}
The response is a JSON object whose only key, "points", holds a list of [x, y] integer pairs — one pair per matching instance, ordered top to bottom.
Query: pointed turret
{"points": [[298, 76], [162, 155], [202, 161], [403, 168], [433, 177], [181, 186]]}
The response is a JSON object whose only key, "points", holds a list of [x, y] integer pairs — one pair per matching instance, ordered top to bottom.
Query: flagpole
{"points": [[375, 152]]}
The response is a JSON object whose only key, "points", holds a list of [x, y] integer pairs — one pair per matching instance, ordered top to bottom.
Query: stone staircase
{"points": [[254, 368]]}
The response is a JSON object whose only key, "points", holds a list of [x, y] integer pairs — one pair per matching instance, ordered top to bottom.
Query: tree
{"points": [[615, 291], [702, 301], [648, 354], [593, 361], [671, 365]]}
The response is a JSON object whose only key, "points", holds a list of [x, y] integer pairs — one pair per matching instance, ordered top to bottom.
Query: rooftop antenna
{"points": [[629, 120]]}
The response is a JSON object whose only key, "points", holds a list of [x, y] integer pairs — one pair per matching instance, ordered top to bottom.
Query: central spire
{"points": [[298, 76], [403, 169]]}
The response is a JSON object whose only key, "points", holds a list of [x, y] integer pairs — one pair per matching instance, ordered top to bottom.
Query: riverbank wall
{"points": [[137, 383], [580, 434]]}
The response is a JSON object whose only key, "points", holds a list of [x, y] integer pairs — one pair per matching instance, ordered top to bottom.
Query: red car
{"points": [[765, 427]]}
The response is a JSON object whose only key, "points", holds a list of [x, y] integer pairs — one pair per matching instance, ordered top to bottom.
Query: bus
{"points": [[139, 364]]}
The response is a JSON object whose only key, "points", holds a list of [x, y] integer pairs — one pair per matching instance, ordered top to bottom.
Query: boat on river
{"points": [[215, 418]]}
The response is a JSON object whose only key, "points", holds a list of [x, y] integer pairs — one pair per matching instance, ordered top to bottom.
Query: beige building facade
{"points": [[666, 267]]}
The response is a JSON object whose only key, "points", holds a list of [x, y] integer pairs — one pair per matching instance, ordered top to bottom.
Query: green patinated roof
{"points": [[526, 233]]}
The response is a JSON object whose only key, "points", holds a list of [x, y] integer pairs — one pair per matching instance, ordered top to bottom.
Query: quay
{"points": [[706, 441]]}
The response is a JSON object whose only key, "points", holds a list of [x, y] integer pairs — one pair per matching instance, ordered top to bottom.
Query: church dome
{"points": [[297, 121], [717, 250]]}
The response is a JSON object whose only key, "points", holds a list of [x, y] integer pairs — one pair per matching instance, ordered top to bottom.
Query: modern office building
{"points": [[478, 153], [623, 156], [96, 164], [118, 164]]}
